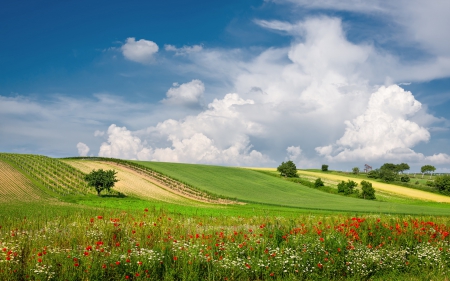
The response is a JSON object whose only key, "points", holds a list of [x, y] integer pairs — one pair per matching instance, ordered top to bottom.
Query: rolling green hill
{"points": [[57, 177], [253, 186]]}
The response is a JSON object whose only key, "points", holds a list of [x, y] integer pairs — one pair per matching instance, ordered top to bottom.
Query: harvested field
{"points": [[132, 183], [16, 187]]}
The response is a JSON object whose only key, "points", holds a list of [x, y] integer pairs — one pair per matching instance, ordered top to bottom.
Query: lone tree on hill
{"points": [[324, 168], [427, 168], [288, 169], [101, 180]]}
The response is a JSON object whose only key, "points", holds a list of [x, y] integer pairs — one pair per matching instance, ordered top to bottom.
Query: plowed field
{"points": [[133, 183], [16, 187]]}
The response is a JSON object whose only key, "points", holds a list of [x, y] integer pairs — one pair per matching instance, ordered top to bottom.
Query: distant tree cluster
{"points": [[325, 168], [288, 169], [389, 172], [442, 183]]}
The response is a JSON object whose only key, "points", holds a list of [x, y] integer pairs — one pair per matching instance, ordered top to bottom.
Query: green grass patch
{"points": [[258, 187]]}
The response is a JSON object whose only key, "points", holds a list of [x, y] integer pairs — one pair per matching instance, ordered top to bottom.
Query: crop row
{"points": [[53, 174], [172, 183]]}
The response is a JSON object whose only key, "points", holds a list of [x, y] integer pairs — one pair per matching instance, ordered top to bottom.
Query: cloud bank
{"points": [[322, 93]]}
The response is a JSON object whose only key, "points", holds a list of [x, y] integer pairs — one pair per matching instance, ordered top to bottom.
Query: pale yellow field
{"points": [[132, 183], [15, 186], [383, 187], [388, 188]]}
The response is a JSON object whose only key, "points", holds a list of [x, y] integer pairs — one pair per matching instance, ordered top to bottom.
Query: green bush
{"points": [[324, 168], [373, 174], [405, 179], [318, 183], [442, 183], [346, 187], [368, 192]]}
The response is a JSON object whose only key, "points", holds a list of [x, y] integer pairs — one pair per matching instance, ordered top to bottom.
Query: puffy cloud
{"points": [[185, 50], [141, 51], [304, 92], [188, 94], [382, 131], [218, 135], [122, 144], [83, 149], [293, 152]]}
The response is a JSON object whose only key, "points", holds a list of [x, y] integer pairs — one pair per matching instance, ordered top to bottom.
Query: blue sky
{"points": [[245, 83]]}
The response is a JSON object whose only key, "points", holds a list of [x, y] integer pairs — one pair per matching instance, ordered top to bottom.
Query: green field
{"points": [[257, 187], [53, 228]]}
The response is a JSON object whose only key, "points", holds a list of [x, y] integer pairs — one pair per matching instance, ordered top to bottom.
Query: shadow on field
{"points": [[118, 195]]}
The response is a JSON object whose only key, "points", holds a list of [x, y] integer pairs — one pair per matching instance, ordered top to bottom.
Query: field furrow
{"points": [[133, 183], [14, 186]]}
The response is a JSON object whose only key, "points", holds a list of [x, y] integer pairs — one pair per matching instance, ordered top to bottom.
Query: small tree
{"points": [[402, 167], [325, 168], [427, 168], [288, 169], [355, 170], [101, 180], [318, 183], [346, 187], [368, 192]]}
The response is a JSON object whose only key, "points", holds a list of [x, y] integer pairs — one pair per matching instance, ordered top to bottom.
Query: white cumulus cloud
{"points": [[141, 51], [185, 94], [382, 131], [218, 135], [123, 144], [83, 149]]}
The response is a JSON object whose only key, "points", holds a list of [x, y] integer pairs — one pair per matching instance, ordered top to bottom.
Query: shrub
{"points": [[324, 168], [355, 170], [373, 174], [405, 179], [318, 183], [442, 183], [430, 184], [346, 187], [368, 192]]}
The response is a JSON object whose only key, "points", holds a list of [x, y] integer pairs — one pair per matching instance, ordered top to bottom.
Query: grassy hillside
{"points": [[253, 186]]}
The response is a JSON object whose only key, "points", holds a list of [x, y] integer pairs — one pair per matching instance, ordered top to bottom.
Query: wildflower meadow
{"points": [[152, 244]]}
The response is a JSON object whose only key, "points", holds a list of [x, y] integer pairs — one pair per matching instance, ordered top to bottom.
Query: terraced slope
{"points": [[58, 177], [133, 183], [14, 186], [254, 186]]}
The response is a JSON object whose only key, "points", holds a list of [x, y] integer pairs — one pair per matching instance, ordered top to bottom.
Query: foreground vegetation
{"points": [[63, 243]]}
